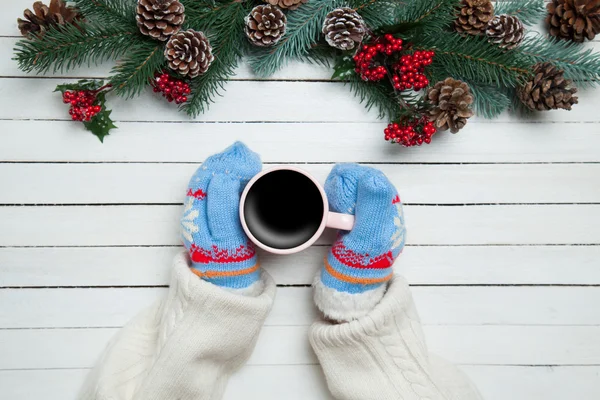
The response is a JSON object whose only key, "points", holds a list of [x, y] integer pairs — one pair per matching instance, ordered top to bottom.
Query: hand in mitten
{"points": [[212, 233], [359, 265]]}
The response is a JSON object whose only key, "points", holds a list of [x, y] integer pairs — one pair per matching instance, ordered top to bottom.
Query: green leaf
{"points": [[344, 68], [84, 84], [101, 124]]}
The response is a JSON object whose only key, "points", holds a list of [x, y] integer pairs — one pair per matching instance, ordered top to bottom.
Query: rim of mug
{"points": [[304, 245]]}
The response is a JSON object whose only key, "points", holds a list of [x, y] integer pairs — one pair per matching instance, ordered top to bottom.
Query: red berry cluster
{"points": [[370, 69], [409, 70], [171, 88], [82, 104], [414, 132]]}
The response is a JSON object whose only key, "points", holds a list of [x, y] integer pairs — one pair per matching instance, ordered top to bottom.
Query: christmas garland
{"points": [[425, 65]]}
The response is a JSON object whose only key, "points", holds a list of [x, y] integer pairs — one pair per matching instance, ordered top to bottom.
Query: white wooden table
{"points": [[503, 231]]}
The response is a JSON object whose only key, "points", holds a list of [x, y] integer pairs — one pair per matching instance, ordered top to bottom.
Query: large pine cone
{"points": [[289, 4], [474, 16], [42, 17], [159, 19], [574, 19], [265, 25], [344, 28], [506, 31], [189, 53], [548, 89], [451, 104]]}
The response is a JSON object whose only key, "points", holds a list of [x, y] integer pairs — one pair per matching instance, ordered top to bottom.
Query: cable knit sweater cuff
{"points": [[190, 287], [395, 301], [186, 346]]}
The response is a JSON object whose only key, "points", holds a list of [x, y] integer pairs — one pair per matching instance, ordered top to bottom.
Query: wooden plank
{"points": [[311, 102], [312, 142], [422, 184], [437, 225], [439, 265], [112, 307], [288, 345], [301, 382]]}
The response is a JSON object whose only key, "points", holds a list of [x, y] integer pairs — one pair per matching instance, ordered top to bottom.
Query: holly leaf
{"points": [[344, 67], [84, 84], [101, 124]]}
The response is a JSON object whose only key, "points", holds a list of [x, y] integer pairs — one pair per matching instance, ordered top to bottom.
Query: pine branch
{"points": [[112, 12], [530, 12], [377, 13], [421, 18], [303, 31], [226, 34], [68, 47], [473, 59], [579, 63], [136, 70], [378, 95], [490, 101]]}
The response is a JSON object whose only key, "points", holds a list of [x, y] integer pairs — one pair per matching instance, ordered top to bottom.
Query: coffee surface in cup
{"points": [[283, 209]]}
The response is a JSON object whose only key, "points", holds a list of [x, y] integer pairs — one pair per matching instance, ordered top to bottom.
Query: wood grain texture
{"points": [[497, 142], [423, 184], [428, 225], [503, 230], [421, 265], [113, 307], [288, 345], [301, 382]]}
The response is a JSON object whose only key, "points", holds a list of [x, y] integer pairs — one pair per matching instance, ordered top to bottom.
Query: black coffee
{"points": [[283, 209]]}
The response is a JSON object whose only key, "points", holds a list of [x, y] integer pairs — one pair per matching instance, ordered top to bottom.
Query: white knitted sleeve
{"points": [[185, 347], [383, 355]]}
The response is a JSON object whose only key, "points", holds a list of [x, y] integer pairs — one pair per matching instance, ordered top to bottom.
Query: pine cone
{"points": [[289, 4], [474, 16], [43, 17], [159, 19], [574, 19], [265, 25], [344, 28], [506, 31], [189, 53], [548, 89], [451, 100]]}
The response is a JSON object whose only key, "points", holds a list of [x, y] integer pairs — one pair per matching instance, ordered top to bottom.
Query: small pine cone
{"points": [[286, 4], [474, 16], [42, 17], [159, 19], [574, 20], [265, 25], [344, 28], [506, 31], [189, 53], [548, 89], [451, 102]]}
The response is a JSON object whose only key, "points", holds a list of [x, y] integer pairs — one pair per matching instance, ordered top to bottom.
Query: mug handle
{"points": [[335, 220]]}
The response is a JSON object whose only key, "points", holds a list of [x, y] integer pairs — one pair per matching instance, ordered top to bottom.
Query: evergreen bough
{"points": [[110, 32]]}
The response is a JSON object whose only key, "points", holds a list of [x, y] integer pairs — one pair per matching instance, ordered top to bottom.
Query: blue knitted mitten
{"points": [[212, 233], [359, 265]]}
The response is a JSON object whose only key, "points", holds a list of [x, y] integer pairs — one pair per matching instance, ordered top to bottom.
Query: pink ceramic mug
{"points": [[284, 210]]}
